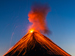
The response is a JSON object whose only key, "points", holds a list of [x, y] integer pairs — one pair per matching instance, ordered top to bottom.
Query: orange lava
{"points": [[31, 31], [27, 42]]}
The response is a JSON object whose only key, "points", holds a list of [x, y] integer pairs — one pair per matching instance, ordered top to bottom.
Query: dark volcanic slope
{"points": [[35, 44]]}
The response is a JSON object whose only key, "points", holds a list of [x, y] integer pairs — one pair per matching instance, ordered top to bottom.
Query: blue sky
{"points": [[60, 20]]}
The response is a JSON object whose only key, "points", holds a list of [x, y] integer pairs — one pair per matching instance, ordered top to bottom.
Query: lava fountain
{"points": [[34, 43]]}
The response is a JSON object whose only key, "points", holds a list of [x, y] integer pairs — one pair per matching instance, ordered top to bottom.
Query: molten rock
{"points": [[36, 44]]}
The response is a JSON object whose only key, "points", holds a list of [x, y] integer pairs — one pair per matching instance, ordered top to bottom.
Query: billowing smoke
{"points": [[37, 16]]}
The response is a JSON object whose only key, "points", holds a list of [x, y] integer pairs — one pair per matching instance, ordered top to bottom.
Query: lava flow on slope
{"points": [[35, 44]]}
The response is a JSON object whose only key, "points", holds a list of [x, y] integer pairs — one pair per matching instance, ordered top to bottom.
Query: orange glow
{"points": [[37, 16], [31, 31], [34, 37], [31, 39]]}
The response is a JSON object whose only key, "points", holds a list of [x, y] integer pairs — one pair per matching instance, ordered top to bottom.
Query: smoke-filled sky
{"points": [[37, 16], [60, 21]]}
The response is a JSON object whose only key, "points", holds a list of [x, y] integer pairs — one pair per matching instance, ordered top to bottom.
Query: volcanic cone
{"points": [[36, 44]]}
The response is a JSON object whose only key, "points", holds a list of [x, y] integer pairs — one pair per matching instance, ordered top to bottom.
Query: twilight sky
{"points": [[60, 20]]}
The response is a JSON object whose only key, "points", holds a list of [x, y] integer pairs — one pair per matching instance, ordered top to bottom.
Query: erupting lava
{"points": [[37, 16], [31, 31], [34, 43]]}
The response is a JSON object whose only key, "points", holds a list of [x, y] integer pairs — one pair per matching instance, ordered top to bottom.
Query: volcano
{"points": [[36, 44]]}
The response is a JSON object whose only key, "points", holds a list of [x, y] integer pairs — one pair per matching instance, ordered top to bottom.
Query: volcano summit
{"points": [[36, 44]]}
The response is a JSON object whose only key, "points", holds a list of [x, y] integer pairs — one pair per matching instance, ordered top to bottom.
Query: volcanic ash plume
{"points": [[37, 16], [34, 43]]}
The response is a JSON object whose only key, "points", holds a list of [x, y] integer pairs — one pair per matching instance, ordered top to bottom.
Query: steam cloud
{"points": [[37, 16]]}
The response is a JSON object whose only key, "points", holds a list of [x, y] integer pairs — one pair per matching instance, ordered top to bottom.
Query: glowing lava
{"points": [[37, 17], [31, 30], [35, 44]]}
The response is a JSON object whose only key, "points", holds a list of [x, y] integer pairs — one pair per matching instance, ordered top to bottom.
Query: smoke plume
{"points": [[37, 16]]}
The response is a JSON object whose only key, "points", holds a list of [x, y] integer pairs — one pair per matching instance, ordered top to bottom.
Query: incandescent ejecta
{"points": [[37, 16], [34, 43]]}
